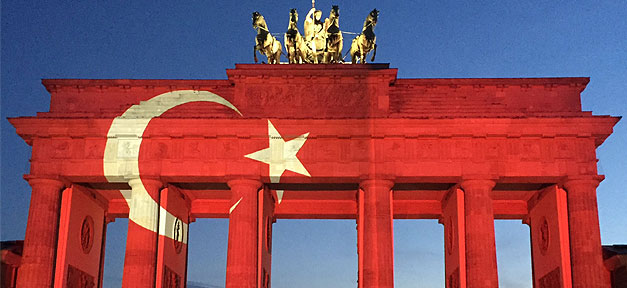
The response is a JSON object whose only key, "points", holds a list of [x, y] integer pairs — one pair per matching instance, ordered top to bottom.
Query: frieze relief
{"points": [[320, 101], [128, 148], [341, 148], [60, 149], [92, 149], [193, 149], [358, 149], [159, 150], [177, 232], [87, 234], [544, 235], [77, 278], [171, 279], [552, 279]]}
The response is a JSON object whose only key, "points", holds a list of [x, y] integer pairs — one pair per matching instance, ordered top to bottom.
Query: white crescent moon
{"points": [[121, 156]]}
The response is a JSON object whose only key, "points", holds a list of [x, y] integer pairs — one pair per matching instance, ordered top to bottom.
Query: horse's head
{"points": [[335, 11], [293, 15], [374, 15], [257, 18]]}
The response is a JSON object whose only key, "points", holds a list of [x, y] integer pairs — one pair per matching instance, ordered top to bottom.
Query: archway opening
{"points": [[115, 248], [207, 250], [314, 253], [418, 253], [513, 253]]}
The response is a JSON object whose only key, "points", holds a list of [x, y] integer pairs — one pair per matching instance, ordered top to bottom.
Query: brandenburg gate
{"points": [[327, 141]]}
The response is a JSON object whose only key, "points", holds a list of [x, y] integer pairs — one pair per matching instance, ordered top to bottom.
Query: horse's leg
{"points": [[314, 50], [339, 51], [255, 53], [270, 53], [290, 53], [303, 53], [374, 53], [294, 54], [362, 54], [278, 55], [300, 55]]}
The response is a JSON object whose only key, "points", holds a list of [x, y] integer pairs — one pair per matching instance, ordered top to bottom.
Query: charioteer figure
{"points": [[314, 32]]}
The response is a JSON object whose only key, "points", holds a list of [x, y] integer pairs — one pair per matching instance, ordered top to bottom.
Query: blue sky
{"points": [[423, 39]]}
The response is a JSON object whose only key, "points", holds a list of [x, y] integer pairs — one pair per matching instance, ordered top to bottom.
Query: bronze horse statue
{"points": [[334, 39], [366, 41], [265, 43], [297, 50]]}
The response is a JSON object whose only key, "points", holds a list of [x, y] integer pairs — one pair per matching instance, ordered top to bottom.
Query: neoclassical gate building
{"points": [[311, 142]]}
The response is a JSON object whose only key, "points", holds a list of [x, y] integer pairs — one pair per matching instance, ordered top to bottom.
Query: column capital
{"points": [[45, 180], [586, 180], [146, 182], [244, 182], [376, 183], [477, 183]]}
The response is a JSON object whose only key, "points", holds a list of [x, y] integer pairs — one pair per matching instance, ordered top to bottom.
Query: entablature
{"points": [[593, 127]]}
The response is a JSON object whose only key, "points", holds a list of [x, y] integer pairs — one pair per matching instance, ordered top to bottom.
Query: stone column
{"points": [[585, 237], [40, 241], [378, 241], [140, 261], [241, 261], [481, 270]]}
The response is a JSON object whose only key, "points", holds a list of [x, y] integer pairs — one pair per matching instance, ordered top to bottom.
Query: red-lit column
{"points": [[585, 237], [40, 241], [378, 246], [241, 260], [140, 261], [481, 270]]}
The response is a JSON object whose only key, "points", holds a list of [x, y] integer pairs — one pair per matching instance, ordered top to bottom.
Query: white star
{"points": [[281, 156]]}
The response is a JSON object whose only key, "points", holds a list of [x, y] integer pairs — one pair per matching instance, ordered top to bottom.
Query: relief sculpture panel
{"points": [[307, 99], [77, 278], [551, 279]]}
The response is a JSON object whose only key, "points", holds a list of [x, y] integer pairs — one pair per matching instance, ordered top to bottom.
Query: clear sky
{"points": [[423, 39]]}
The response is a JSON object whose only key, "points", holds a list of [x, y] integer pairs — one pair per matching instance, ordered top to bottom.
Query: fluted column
{"points": [[585, 237], [40, 241], [378, 246], [140, 261], [241, 261], [481, 269]]}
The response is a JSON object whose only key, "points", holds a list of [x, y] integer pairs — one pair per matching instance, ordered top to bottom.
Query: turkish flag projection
{"points": [[172, 138], [199, 150]]}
